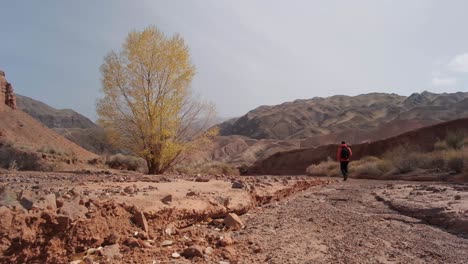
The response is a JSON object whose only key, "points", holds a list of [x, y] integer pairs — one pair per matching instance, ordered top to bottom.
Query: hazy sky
{"points": [[247, 53]]}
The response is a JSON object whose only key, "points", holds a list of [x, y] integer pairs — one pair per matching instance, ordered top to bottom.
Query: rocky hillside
{"points": [[350, 115], [51, 117], [68, 123], [296, 161]]}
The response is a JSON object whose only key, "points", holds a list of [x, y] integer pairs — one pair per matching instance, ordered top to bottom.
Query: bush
{"points": [[455, 140], [440, 146], [15, 159], [126, 162], [455, 164], [328, 168]]}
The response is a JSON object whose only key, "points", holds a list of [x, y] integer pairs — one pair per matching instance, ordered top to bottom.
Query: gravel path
{"points": [[343, 223]]}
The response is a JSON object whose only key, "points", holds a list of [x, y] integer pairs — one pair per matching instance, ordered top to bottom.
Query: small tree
{"points": [[147, 107]]}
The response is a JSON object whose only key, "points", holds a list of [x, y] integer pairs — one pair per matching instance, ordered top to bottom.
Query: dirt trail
{"points": [[346, 222]]}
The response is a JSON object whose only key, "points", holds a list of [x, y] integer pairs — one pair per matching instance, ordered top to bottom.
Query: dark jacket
{"points": [[338, 153]]}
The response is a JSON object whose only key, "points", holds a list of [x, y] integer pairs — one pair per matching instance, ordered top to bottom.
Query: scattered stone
{"points": [[201, 179], [237, 185], [129, 190], [192, 193], [457, 197], [167, 199], [73, 209], [6, 217], [140, 220], [233, 222], [63, 223], [170, 230], [112, 239], [225, 241], [132, 242], [166, 243], [209, 250], [193, 251], [111, 252], [175, 255]]}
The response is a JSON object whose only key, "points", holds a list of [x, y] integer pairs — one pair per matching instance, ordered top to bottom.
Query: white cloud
{"points": [[459, 63], [437, 81]]}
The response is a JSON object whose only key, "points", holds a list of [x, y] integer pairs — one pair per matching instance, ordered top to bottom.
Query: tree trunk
{"points": [[153, 167]]}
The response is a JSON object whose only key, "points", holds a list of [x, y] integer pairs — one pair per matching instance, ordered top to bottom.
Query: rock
{"points": [[201, 179], [237, 185], [129, 190], [192, 193], [8, 197], [457, 197], [27, 199], [167, 199], [48, 202], [73, 209], [6, 217], [140, 220], [233, 222], [63, 223], [170, 230], [112, 239], [225, 241], [132, 242], [166, 243], [209, 250], [193, 251], [111, 252], [229, 253], [175, 255]]}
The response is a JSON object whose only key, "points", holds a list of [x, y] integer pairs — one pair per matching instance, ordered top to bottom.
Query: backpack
{"points": [[344, 153]]}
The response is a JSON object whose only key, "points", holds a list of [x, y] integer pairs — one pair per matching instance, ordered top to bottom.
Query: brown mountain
{"points": [[352, 117], [68, 123]]}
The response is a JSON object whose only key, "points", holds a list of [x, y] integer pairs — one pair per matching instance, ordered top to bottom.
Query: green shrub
{"points": [[455, 140], [126, 162]]}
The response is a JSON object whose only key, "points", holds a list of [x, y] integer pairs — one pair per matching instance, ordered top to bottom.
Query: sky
{"points": [[247, 53]]}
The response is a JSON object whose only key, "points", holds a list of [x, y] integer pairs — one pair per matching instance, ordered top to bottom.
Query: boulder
{"points": [[238, 185], [167, 199], [73, 209], [140, 220], [233, 222], [193, 251], [111, 252]]}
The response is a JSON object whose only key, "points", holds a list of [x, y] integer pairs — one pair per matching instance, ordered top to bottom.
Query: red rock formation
{"points": [[7, 92]]}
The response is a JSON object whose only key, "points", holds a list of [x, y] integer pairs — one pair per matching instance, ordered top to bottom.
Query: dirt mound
{"points": [[296, 161], [123, 218]]}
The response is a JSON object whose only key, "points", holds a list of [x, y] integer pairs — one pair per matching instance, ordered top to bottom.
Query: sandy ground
{"points": [[350, 222]]}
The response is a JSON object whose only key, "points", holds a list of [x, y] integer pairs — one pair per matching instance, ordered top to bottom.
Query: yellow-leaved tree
{"points": [[147, 105]]}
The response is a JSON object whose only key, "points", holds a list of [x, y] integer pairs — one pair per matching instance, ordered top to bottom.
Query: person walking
{"points": [[343, 156]]}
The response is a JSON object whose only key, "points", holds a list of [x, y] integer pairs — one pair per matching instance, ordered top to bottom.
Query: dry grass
{"points": [[455, 140], [51, 150], [13, 157], [126, 162], [328, 168]]}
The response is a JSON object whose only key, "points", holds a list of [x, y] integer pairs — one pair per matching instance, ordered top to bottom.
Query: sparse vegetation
{"points": [[455, 140], [50, 150], [14, 158], [126, 162], [328, 168]]}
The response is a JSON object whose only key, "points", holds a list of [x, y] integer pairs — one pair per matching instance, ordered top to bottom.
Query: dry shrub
{"points": [[455, 140], [440, 146], [50, 150], [13, 158], [126, 162], [370, 166], [210, 168], [328, 168]]}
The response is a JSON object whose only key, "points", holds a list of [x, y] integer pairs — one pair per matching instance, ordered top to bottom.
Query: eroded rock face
{"points": [[7, 94]]}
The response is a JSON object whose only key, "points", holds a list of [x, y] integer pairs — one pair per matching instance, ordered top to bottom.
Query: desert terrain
{"points": [[121, 217]]}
